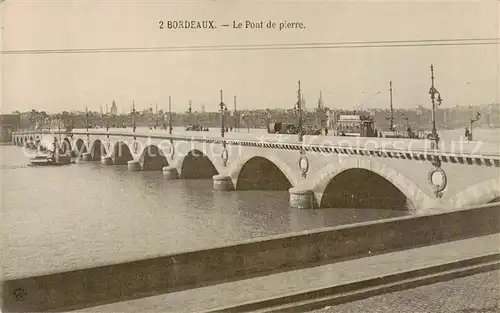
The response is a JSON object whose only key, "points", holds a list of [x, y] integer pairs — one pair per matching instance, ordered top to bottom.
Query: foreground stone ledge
{"points": [[125, 281]]}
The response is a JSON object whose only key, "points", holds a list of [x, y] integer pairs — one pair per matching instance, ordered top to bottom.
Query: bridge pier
{"points": [[87, 156], [106, 160], [121, 160], [134, 166], [170, 172], [223, 183], [301, 198]]}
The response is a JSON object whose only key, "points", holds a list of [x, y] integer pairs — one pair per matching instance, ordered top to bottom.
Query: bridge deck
{"points": [[448, 147]]}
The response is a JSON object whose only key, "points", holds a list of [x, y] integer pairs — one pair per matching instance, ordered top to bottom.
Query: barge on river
{"points": [[44, 160]]}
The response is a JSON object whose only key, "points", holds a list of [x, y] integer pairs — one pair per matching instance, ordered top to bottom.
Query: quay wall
{"points": [[120, 282]]}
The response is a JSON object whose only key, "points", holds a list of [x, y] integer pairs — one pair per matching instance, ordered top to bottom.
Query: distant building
{"points": [[114, 108], [9, 123]]}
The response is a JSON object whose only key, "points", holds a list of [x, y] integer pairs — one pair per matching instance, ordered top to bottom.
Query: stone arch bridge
{"points": [[318, 172]]}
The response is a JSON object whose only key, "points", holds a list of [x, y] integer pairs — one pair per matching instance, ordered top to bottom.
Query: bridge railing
{"points": [[475, 149]]}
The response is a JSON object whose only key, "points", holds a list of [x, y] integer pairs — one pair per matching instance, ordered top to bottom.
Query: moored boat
{"points": [[40, 160], [43, 160]]}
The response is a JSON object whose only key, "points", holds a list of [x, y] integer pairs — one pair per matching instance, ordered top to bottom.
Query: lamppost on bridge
{"points": [[435, 97], [298, 108], [320, 109], [190, 110], [223, 110], [170, 115], [133, 116], [106, 117], [236, 117], [391, 118], [87, 120], [472, 121], [59, 123], [87, 125], [408, 128]]}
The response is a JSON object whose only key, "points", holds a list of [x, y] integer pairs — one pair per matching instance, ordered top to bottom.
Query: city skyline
{"points": [[347, 78], [311, 110]]}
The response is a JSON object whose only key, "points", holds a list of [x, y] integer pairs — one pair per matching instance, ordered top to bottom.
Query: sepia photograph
{"points": [[321, 156]]}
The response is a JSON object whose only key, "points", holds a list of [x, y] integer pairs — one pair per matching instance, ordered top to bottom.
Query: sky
{"points": [[259, 78]]}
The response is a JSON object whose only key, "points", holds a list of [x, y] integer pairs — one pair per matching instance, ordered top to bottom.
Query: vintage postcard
{"points": [[250, 156]]}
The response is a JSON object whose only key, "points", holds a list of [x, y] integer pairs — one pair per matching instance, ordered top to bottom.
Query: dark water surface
{"points": [[87, 214]]}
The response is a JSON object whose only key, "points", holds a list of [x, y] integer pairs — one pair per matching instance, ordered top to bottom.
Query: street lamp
{"points": [[434, 92], [490, 107], [298, 108], [190, 110], [223, 110], [318, 110], [170, 115], [133, 116], [156, 116], [236, 117], [391, 118], [268, 119], [87, 120], [472, 121], [87, 125], [408, 128]]}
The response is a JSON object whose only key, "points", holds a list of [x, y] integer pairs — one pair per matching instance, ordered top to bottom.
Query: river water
{"points": [[83, 215]]}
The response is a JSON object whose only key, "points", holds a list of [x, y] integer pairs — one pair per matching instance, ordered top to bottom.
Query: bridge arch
{"points": [[65, 146], [80, 146], [97, 150], [121, 153], [152, 158], [197, 165], [263, 172], [379, 176], [478, 194]]}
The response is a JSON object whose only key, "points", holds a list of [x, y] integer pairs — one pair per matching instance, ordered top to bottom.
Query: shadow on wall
{"points": [[197, 165], [259, 173], [361, 188]]}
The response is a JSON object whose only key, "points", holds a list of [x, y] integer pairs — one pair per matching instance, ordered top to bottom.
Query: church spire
{"points": [[320, 101]]}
